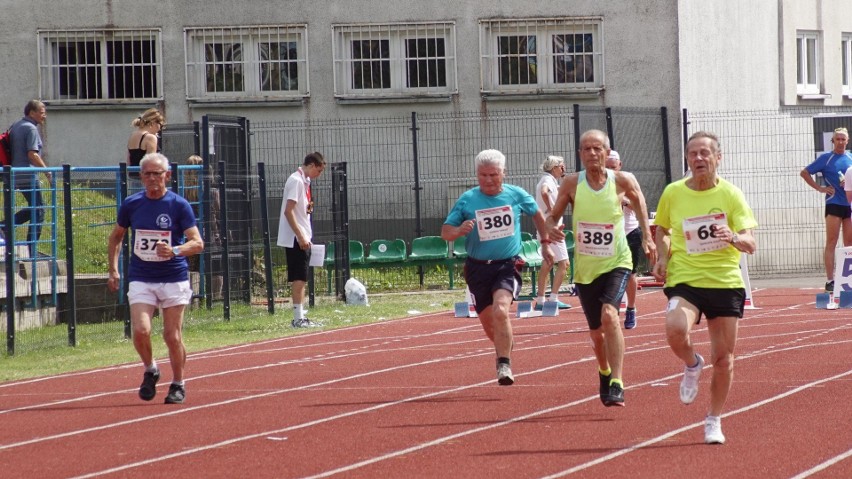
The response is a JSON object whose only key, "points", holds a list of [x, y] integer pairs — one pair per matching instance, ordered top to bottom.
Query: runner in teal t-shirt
{"points": [[489, 216]]}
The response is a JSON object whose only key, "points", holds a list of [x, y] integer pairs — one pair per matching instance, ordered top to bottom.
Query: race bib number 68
{"points": [[700, 233]]}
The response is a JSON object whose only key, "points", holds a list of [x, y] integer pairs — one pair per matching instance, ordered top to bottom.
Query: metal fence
{"points": [[763, 154], [401, 177]]}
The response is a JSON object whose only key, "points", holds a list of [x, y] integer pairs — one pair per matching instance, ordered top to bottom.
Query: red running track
{"points": [[417, 397]]}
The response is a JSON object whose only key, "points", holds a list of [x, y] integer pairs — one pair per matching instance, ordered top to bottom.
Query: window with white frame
{"points": [[550, 55], [394, 60], [246, 63], [807, 63], [847, 64], [100, 66]]}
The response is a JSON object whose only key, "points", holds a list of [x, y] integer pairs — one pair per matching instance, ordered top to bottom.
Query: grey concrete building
{"points": [[99, 63]]}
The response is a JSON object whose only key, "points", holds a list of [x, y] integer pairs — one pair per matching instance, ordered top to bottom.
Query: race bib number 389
{"points": [[495, 223], [700, 233], [595, 239], [145, 245]]}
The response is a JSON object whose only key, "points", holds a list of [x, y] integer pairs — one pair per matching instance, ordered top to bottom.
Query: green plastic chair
{"points": [[569, 239], [570, 244], [428, 248], [459, 249], [387, 251], [356, 252], [329, 254], [532, 254]]}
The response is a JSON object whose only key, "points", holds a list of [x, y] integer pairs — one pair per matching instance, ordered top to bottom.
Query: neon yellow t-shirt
{"points": [[600, 244], [692, 262]]}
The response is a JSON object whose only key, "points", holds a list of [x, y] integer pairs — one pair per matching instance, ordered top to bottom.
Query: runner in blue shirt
{"points": [[158, 275]]}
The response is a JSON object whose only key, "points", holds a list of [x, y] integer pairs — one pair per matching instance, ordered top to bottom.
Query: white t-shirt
{"points": [[295, 189], [553, 191], [630, 220]]}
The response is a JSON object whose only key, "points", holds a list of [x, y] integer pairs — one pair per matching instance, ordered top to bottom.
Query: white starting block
{"points": [[825, 301], [466, 309], [548, 309], [524, 310]]}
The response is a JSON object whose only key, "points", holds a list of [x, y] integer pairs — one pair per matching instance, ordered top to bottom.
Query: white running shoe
{"points": [[504, 375], [689, 384], [713, 430]]}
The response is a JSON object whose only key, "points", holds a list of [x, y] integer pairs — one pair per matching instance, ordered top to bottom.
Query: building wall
{"points": [[831, 20], [640, 42], [729, 55]]}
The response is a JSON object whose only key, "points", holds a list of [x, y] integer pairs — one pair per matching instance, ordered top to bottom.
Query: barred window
{"points": [[846, 49], [552, 55], [394, 60], [246, 63], [807, 63], [99, 65]]}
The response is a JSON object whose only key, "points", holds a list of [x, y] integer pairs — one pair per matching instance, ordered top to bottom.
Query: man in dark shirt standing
{"points": [[26, 149]]}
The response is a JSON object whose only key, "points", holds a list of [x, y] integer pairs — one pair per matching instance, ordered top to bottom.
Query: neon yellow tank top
{"points": [[600, 242]]}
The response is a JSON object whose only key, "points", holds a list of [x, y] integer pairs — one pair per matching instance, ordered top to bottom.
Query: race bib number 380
{"points": [[495, 223], [700, 233], [595, 239], [145, 245]]}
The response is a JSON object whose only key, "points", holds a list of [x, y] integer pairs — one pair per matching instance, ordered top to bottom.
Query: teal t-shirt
{"points": [[497, 234]]}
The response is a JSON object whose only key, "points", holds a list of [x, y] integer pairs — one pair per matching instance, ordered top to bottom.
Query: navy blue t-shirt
{"points": [[164, 219]]}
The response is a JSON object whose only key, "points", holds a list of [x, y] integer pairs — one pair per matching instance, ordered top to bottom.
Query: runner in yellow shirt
{"points": [[707, 222]]}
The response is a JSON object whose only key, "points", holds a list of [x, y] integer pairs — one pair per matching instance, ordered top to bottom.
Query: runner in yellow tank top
{"points": [[600, 242], [602, 260]]}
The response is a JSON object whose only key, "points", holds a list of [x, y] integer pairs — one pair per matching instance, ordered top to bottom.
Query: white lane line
{"points": [[213, 352], [669, 434], [453, 436], [824, 465]]}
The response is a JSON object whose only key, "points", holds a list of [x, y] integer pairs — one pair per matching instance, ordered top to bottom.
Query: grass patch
{"points": [[205, 330]]}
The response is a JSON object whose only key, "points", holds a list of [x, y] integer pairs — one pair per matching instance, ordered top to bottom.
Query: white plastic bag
{"points": [[356, 293]]}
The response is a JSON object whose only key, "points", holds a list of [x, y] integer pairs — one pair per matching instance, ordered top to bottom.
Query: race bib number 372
{"points": [[495, 223], [145, 245]]}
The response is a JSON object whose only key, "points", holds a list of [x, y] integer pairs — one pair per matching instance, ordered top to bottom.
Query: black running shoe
{"points": [[829, 286], [604, 385], [148, 389], [176, 394], [615, 396]]}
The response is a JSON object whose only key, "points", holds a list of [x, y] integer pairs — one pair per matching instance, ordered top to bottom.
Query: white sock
{"points": [[554, 297], [539, 300], [298, 312], [152, 368], [178, 383]]}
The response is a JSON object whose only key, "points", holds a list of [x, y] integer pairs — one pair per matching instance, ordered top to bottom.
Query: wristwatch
{"points": [[735, 238], [176, 251]]}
